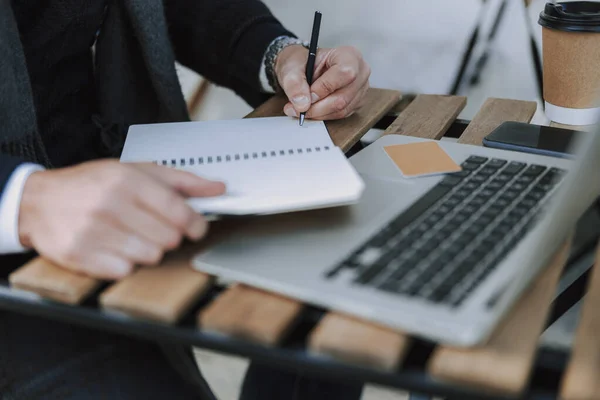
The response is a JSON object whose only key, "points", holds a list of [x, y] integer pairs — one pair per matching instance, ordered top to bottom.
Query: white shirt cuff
{"points": [[10, 204]]}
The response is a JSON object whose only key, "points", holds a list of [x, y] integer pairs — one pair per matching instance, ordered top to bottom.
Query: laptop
{"points": [[440, 257]]}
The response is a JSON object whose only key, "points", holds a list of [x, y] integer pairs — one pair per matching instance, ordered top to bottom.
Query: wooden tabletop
{"points": [[502, 365]]}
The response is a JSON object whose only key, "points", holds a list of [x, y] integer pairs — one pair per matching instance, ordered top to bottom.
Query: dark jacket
{"points": [[140, 40]]}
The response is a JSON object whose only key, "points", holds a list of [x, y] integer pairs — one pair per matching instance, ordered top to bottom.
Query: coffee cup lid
{"points": [[574, 16]]}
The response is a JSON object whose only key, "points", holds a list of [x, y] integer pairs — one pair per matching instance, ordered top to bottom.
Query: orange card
{"points": [[421, 159]]}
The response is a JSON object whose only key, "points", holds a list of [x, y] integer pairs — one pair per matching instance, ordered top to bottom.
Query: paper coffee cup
{"points": [[571, 53]]}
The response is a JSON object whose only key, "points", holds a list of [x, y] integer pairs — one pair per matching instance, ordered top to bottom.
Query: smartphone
{"points": [[536, 139]]}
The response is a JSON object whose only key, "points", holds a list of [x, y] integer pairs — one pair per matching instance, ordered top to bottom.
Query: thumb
{"points": [[296, 88]]}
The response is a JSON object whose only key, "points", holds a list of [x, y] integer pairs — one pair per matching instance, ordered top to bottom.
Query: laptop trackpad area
{"points": [[317, 238]]}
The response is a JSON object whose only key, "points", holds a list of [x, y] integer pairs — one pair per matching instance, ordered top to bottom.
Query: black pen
{"points": [[312, 55]]}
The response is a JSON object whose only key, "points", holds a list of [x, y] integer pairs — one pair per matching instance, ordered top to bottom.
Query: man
{"points": [[74, 74]]}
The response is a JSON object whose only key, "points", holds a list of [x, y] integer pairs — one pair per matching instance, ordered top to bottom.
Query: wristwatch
{"points": [[273, 51]]}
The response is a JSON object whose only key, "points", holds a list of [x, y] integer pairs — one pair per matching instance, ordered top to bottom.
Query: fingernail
{"points": [[314, 97], [300, 100], [290, 112], [197, 228]]}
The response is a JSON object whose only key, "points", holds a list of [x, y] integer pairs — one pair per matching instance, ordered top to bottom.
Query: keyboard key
{"points": [[476, 159], [496, 163], [470, 166], [513, 168], [534, 170], [487, 171], [461, 174], [503, 177], [479, 178], [525, 179], [451, 181], [501, 182], [495, 185], [471, 186], [518, 187], [546, 187], [487, 193], [462, 194], [509, 196], [537, 196], [477, 201], [452, 202], [502, 202], [528, 203], [444, 209], [470, 209], [519, 211], [463, 215], [433, 219], [511, 219], [484, 220], [504, 228], [448, 229], [462, 241], [369, 256], [370, 273], [441, 293]]}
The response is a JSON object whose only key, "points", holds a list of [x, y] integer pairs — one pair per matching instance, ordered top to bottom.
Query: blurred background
{"points": [[415, 47]]}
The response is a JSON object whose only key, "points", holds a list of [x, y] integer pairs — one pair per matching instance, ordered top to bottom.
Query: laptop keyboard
{"points": [[451, 239]]}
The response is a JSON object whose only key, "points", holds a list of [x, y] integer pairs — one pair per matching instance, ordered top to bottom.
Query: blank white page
{"points": [[269, 165]]}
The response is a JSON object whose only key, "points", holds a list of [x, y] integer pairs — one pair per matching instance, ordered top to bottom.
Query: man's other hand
{"points": [[340, 82], [102, 218]]}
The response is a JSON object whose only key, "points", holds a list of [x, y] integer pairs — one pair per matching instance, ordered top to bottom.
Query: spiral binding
{"points": [[191, 161]]}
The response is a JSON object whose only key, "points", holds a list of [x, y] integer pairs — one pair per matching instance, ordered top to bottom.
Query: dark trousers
{"points": [[41, 359]]}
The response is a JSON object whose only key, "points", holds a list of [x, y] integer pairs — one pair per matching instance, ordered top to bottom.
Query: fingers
{"points": [[343, 68], [342, 83], [339, 105], [184, 182], [159, 199], [171, 206], [148, 226], [130, 246], [108, 266]]}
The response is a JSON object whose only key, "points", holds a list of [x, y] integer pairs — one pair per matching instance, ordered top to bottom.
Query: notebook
{"points": [[269, 165]]}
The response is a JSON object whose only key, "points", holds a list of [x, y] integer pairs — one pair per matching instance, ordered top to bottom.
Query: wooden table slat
{"points": [[492, 114], [428, 116], [346, 132], [53, 282], [162, 293], [251, 314], [352, 340], [504, 363], [581, 379]]}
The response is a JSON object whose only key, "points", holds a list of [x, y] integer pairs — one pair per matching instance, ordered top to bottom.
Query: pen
{"points": [[312, 55]]}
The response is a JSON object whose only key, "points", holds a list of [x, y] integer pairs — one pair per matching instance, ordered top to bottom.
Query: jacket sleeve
{"points": [[224, 41], [7, 166]]}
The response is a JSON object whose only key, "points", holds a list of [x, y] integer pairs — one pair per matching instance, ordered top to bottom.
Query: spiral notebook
{"points": [[269, 165]]}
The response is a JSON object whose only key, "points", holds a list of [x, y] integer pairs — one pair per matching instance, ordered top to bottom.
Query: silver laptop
{"points": [[441, 257]]}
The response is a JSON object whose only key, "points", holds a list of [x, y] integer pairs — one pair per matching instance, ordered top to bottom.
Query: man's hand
{"points": [[340, 82], [103, 217]]}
